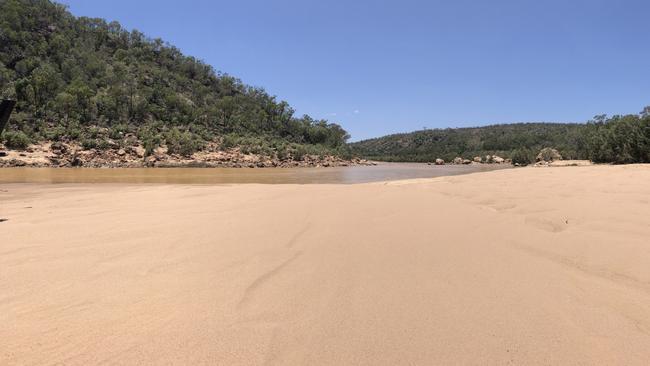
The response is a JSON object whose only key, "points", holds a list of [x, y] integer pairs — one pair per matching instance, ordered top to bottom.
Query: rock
{"points": [[58, 147], [121, 152], [3, 153], [548, 154], [478, 159], [488, 159], [498, 159], [458, 160], [76, 161], [466, 161], [15, 162], [440, 162]]}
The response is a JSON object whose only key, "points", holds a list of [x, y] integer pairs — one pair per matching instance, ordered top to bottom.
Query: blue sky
{"points": [[379, 67]]}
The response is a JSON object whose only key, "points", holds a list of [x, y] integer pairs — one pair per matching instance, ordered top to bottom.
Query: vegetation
{"points": [[72, 75], [16, 140], [503, 140], [618, 140], [523, 156]]}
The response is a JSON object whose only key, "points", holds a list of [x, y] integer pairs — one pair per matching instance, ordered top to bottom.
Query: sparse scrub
{"points": [[16, 139]]}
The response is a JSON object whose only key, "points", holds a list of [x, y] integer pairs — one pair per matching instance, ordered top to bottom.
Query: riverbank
{"points": [[49, 154], [516, 266]]}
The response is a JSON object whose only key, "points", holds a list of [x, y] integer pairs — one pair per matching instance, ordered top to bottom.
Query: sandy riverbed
{"points": [[522, 266]]}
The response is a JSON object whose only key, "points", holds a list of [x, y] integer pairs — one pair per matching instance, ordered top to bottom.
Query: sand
{"points": [[531, 266]]}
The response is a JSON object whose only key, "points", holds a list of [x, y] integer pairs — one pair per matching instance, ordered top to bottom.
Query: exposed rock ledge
{"points": [[59, 154]]}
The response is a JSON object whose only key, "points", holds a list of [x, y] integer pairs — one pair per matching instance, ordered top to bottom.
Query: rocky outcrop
{"points": [[59, 154], [548, 154], [440, 162]]}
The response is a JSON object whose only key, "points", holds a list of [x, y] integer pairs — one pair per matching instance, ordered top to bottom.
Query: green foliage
{"points": [[81, 72], [118, 131], [150, 138], [16, 139], [620, 139], [502, 140], [94, 143], [182, 143], [523, 156]]}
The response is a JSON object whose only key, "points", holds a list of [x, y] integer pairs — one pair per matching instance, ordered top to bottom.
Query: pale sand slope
{"points": [[525, 266]]}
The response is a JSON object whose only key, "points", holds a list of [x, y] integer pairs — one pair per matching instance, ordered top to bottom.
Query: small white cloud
{"points": [[356, 111], [332, 114]]}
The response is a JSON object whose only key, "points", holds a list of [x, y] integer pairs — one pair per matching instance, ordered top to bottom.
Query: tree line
{"points": [[620, 139]]}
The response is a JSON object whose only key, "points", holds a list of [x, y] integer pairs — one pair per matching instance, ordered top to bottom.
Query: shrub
{"points": [[118, 131], [54, 133], [16, 139], [229, 141], [91, 143], [182, 143], [523, 156]]}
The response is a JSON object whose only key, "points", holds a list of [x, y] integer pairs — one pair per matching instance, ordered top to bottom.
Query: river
{"points": [[337, 175]]}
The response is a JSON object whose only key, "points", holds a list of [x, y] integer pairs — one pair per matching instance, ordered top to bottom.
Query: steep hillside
{"points": [[91, 82]]}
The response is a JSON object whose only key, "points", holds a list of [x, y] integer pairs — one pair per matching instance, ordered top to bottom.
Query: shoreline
{"points": [[72, 155], [180, 175]]}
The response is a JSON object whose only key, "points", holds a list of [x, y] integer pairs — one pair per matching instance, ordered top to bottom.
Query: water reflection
{"points": [[338, 175]]}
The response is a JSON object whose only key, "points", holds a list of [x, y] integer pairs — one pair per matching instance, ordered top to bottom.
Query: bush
{"points": [[118, 131], [54, 133], [150, 137], [16, 139], [619, 140], [229, 141], [90, 143], [182, 143], [523, 156]]}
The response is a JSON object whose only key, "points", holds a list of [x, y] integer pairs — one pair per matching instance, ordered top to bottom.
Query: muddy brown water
{"points": [[337, 175]]}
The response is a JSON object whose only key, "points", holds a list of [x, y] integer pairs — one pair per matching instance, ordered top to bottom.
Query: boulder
{"points": [[58, 147], [121, 152], [548, 154], [488, 158], [478, 159], [498, 159], [458, 160], [466, 161], [440, 162]]}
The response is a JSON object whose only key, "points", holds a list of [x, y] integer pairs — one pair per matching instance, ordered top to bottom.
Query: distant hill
{"points": [[76, 77], [503, 140]]}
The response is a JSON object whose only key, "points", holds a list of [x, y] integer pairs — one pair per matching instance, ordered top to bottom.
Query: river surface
{"points": [[335, 175]]}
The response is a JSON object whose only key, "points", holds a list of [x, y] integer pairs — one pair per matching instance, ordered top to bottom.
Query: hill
{"points": [[90, 82], [503, 140]]}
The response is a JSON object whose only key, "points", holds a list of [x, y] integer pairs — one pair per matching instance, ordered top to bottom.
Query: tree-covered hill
{"points": [[75, 75], [619, 139], [502, 140]]}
